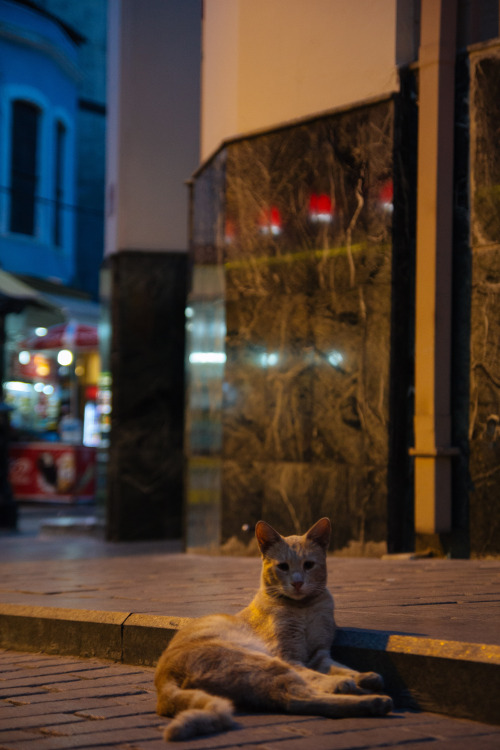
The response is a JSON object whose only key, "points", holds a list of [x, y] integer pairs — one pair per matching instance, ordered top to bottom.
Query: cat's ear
{"points": [[320, 532], [266, 536]]}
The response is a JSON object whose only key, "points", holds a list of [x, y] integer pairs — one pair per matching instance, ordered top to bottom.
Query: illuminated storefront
{"points": [[55, 418]]}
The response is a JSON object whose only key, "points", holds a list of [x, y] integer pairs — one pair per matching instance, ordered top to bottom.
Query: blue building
{"points": [[89, 17], [38, 107], [52, 124]]}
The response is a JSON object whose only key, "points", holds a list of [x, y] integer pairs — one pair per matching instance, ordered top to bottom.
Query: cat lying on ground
{"points": [[274, 655]]}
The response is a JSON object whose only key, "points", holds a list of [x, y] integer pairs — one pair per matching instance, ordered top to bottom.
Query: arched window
{"points": [[24, 163], [59, 167]]}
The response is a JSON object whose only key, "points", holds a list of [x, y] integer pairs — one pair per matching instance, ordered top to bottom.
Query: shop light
{"points": [[321, 208], [270, 221], [189, 312], [40, 331], [24, 357], [65, 357], [211, 358], [335, 358], [269, 360], [42, 366], [16, 385], [39, 387], [48, 389]]}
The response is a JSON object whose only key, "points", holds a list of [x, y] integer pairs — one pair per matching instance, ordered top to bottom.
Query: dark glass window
{"points": [[25, 123], [59, 182]]}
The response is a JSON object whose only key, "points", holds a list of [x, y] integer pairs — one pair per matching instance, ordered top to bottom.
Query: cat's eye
{"points": [[308, 565], [282, 566]]}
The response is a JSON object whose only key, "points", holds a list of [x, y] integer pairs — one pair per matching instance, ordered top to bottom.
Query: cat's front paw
{"points": [[370, 681]]}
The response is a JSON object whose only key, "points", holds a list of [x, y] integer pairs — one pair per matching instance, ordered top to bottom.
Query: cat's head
{"points": [[294, 566]]}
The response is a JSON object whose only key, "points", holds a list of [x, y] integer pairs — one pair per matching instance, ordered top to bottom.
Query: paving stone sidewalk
{"points": [[456, 600], [430, 626], [53, 702]]}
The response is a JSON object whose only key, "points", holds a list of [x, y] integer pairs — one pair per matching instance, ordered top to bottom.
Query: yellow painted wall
{"points": [[268, 62]]}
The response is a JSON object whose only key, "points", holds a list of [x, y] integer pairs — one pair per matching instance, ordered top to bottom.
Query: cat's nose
{"points": [[297, 585]]}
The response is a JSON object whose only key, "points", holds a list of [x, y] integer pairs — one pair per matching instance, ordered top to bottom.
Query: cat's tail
{"points": [[195, 712]]}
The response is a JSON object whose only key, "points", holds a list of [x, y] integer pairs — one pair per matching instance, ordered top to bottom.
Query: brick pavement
{"points": [[445, 599], [429, 626], [54, 702]]}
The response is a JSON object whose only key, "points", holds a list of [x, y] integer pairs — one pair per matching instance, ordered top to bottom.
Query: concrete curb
{"points": [[62, 631], [449, 677]]}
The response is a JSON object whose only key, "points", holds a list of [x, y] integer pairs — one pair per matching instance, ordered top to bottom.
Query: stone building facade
{"points": [[342, 353], [307, 388]]}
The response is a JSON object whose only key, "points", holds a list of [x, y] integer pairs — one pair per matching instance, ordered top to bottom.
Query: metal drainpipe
{"points": [[432, 420]]}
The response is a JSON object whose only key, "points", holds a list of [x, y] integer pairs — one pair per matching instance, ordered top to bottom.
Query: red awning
{"points": [[64, 336]]}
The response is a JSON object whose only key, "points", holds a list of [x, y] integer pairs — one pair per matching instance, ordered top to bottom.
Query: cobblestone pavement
{"points": [[450, 599], [456, 600], [53, 702]]}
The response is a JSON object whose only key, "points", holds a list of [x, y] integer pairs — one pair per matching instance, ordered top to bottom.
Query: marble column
{"points": [[152, 148], [484, 411], [145, 479]]}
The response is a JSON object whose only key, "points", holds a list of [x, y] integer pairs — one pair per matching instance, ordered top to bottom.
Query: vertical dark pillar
{"points": [[145, 480], [400, 499], [8, 507]]}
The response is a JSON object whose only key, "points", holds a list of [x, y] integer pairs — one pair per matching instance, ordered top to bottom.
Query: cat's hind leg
{"points": [[365, 681], [368, 681], [269, 683], [330, 683], [307, 695], [338, 706], [196, 712]]}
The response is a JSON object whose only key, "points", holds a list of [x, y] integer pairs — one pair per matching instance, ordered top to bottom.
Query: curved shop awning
{"points": [[15, 295], [70, 335]]}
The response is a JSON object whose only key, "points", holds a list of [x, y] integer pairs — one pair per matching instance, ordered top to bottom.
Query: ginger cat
{"points": [[274, 655]]}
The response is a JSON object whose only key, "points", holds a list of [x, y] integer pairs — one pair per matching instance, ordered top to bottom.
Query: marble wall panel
{"points": [[485, 112], [207, 227], [276, 237], [306, 256], [352, 379], [485, 402], [267, 408], [484, 414], [292, 496]]}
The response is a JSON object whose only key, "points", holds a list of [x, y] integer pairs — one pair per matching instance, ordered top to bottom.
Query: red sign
{"points": [[46, 471]]}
